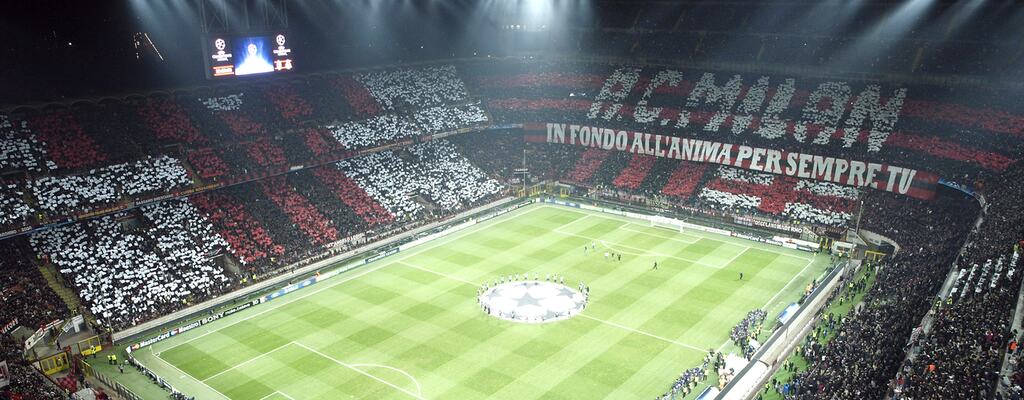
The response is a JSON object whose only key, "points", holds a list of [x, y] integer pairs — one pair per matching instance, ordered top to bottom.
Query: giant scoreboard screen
{"points": [[228, 56]]}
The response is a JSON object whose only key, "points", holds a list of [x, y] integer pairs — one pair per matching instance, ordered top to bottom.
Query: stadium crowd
{"points": [[414, 87], [450, 118], [373, 132], [436, 172], [65, 195], [130, 268], [30, 303], [962, 355], [864, 357], [26, 382]]}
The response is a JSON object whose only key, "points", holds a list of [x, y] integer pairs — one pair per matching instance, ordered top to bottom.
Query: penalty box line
{"points": [[626, 222], [642, 252], [609, 323], [353, 367], [185, 374], [367, 374], [277, 392]]}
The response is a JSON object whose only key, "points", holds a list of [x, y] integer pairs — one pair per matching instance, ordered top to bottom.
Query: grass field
{"points": [[408, 326]]}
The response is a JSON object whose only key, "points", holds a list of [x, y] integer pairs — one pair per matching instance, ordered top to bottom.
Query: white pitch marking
{"points": [[585, 216], [627, 228], [644, 253], [737, 255], [809, 262], [452, 277], [281, 304], [581, 314], [664, 339], [246, 362], [185, 373], [407, 375], [374, 377], [278, 392]]}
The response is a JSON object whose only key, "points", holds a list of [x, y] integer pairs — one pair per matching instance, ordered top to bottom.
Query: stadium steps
{"points": [[192, 174], [54, 280]]}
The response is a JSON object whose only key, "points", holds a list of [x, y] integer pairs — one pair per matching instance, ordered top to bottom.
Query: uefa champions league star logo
{"points": [[532, 301]]}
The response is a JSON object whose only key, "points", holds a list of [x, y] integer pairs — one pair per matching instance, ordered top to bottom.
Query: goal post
{"points": [[658, 221]]}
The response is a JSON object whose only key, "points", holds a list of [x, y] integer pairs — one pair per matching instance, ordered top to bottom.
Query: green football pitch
{"points": [[409, 326]]}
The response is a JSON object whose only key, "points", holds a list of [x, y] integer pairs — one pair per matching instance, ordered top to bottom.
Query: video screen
{"points": [[229, 56]]}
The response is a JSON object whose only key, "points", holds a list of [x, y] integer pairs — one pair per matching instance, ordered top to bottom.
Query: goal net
{"points": [[658, 221]]}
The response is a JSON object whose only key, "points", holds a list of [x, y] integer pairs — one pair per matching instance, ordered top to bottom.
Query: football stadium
{"points": [[512, 199]]}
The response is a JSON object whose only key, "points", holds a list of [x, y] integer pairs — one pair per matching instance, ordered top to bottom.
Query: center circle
{"points": [[532, 301]]}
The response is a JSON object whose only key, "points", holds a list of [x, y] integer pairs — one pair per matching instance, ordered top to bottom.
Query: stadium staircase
{"points": [[192, 174], [56, 282]]}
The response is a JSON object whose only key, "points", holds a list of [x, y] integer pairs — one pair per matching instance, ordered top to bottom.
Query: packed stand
{"points": [[414, 87], [356, 95], [292, 107], [245, 113], [450, 118], [168, 122], [869, 122], [375, 131], [67, 143], [20, 149], [497, 152], [589, 162], [208, 164], [437, 172], [634, 174], [388, 179], [448, 179], [685, 179], [67, 194], [353, 196], [805, 200], [329, 203], [14, 209], [303, 214], [283, 230], [247, 239], [129, 269], [24, 291], [869, 348], [962, 355], [26, 382]]}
